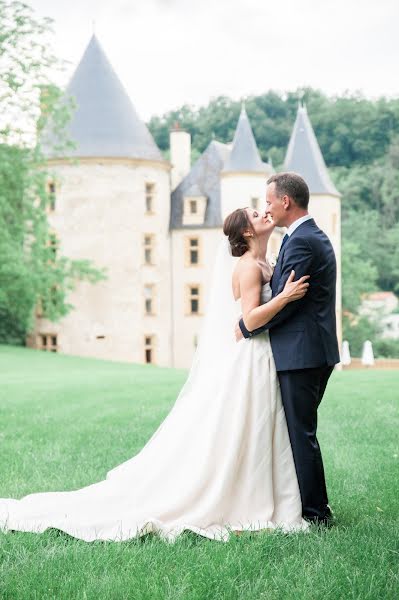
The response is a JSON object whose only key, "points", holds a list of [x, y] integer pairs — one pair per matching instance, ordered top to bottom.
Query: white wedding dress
{"points": [[220, 461]]}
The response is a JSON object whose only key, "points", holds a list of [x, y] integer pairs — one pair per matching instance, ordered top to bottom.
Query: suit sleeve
{"points": [[298, 256]]}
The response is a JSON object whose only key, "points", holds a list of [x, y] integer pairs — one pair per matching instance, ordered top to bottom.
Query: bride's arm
{"points": [[255, 314]]}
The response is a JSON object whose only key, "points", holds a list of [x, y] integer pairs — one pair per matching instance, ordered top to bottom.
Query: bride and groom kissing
{"points": [[238, 451]]}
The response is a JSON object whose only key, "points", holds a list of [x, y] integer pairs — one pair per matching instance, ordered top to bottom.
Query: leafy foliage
{"points": [[351, 130], [32, 271], [357, 331], [386, 348]]}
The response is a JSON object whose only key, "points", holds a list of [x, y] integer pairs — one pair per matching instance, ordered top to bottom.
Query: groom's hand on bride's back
{"points": [[295, 290], [292, 291], [238, 332]]}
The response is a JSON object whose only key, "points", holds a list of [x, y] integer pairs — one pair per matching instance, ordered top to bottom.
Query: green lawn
{"points": [[65, 421]]}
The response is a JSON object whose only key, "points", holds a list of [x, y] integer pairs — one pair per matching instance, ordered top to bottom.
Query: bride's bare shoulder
{"points": [[246, 271]]}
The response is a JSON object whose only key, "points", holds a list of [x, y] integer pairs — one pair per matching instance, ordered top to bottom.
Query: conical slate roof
{"points": [[105, 122], [245, 155], [304, 156]]}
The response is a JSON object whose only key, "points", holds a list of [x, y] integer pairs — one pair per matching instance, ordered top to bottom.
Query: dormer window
{"points": [[194, 206]]}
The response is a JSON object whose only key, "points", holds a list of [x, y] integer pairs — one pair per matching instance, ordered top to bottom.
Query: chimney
{"points": [[180, 154]]}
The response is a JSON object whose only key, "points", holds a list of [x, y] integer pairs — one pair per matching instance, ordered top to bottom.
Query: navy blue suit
{"points": [[305, 347]]}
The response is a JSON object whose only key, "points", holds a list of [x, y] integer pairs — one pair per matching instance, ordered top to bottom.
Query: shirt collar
{"points": [[296, 224]]}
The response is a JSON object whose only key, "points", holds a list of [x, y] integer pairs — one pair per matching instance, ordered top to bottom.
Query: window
{"points": [[51, 192], [149, 197], [255, 203], [194, 208], [52, 244], [149, 249], [192, 251], [149, 292], [193, 299], [52, 300], [48, 342], [149, 349]]}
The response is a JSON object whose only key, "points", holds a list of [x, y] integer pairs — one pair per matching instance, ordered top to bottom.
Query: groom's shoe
{"points": [[326, 519]]}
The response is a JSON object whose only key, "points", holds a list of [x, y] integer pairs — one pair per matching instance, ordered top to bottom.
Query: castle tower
{"points": [[304, 157], [244, 176], [111, 206]]}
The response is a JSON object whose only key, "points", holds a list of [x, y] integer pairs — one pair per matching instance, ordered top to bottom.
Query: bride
{"points": [[221, 461]]}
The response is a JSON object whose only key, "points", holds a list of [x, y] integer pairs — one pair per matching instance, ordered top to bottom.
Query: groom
{"points": [[303, 335]]}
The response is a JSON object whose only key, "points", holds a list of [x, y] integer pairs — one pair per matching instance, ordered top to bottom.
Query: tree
{"points": [[351, 130], [387, 183], [377, 245], [31, 271], [359, 276], [357, 330]]}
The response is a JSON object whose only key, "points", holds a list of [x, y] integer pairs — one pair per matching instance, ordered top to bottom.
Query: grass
{"points": [[65, 421]]}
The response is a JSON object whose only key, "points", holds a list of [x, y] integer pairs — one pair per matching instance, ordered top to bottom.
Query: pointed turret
{"points": [[104, 122], [244, 155], [304, 156]]}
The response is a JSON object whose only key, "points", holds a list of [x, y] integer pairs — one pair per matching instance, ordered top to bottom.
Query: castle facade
{"points": [[155, 224]]}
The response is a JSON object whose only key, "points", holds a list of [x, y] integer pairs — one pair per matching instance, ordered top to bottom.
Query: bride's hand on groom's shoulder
{"points": [[295, 290]]}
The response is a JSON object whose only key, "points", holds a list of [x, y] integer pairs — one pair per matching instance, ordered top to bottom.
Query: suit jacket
{"points": [[304, 334]]}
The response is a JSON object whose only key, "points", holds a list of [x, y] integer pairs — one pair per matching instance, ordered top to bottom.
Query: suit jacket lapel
{"points": [[309, 222], [278, 268]]}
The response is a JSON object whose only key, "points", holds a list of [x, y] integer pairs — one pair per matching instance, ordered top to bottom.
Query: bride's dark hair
{"points": [[234, 226]]}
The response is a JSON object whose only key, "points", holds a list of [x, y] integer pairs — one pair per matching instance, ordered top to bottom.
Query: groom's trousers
{"points": [[302, 391]]}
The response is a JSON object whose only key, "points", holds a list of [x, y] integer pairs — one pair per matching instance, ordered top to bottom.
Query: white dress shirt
{"points": [[296, 224]]}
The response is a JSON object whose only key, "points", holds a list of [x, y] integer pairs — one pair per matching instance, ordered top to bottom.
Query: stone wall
{"points": [[100, 215]]}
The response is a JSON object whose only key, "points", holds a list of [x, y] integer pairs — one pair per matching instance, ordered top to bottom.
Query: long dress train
{"points": [[217, 463]]}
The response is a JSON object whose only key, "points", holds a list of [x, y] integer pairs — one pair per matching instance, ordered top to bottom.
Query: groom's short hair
{"points": [[292, 185]]}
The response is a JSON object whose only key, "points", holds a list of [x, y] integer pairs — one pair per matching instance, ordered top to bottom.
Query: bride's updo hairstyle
{"points": [[234, 226]]}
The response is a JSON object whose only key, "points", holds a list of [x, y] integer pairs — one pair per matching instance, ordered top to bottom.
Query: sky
{"points": [[173, 52]]}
